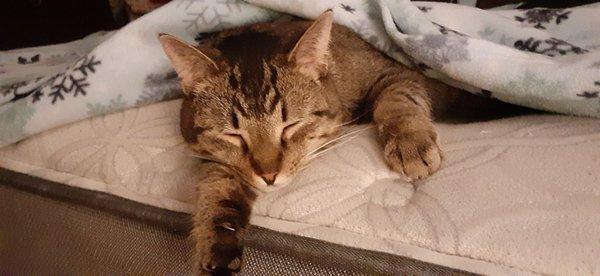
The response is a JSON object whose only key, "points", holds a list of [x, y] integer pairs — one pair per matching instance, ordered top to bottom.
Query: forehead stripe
{"points": [[273, 80], [233, 82], [276, 99], [238, 106], [283, 110], [323, 113], [234, 120]]}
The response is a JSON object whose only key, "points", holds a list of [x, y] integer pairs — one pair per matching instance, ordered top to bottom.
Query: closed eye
{"points": [[288, 131], [236, 139]]}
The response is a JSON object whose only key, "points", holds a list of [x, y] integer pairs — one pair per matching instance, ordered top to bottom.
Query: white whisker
{"points": [[355, 118], [339, 138], [190, 153], [317, 154], [202, 157], [205, 158], [302, 168]]}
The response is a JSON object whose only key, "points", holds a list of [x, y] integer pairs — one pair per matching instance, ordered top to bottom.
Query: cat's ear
{"points": [[311, 53], [189, 62]]}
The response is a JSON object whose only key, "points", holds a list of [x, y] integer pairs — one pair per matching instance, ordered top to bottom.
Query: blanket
{"points": [[542, 58]]}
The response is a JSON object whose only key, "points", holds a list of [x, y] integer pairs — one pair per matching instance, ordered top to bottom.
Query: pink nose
{"points": [[269, 178]]}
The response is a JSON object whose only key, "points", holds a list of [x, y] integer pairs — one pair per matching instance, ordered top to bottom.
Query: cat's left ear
{"points": [[311, 53], [191, 64]]}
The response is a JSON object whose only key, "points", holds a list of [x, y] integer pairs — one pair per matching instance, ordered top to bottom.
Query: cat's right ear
{"points": [[311, 53], [189, 62]]}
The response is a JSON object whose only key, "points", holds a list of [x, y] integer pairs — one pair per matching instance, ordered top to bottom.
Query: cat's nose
{"points": [[269, 178]]}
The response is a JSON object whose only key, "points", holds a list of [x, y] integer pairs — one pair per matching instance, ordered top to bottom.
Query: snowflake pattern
{"points": [[187, 3], [232, 5], [347, 8], [424, 9], [215, 14], [540, 17], [204, 18], [361, 27], [445, 30], [490, 34], [202, 36], [550, 47], [437, 50], [33, 59], [86, 65], [72, 82], [66, 85], [535, 86], [11, 88], [158, 88], [17, 92], [588, 94], [591, 94], [37, 95], [114, 105], [13, 120]]}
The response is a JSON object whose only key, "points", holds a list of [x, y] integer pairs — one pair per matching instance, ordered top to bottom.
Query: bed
{"points": [[112, 195]]}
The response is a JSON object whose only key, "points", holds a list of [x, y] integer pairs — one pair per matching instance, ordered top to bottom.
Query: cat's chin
{"points": [[262, 187], [266, 189]]}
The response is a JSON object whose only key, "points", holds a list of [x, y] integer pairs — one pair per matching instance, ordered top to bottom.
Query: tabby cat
{"points": [[259, 100]]}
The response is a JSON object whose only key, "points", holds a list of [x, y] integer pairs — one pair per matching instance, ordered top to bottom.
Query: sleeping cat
{"points": [[260, 100]]}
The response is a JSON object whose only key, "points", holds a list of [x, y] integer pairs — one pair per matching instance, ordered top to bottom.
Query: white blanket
{"points": [[547, 59]]}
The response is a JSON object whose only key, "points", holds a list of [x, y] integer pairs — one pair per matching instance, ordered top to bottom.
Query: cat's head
{"points": [[262, 114]]}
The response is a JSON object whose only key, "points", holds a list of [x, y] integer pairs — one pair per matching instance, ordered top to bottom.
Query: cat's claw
{"points": [[415, 155], [228, 227], [235, 264], [216, 267], [217, 272]]}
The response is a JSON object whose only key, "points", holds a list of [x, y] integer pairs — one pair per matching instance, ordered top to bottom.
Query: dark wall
{"points": [[25, 23]]}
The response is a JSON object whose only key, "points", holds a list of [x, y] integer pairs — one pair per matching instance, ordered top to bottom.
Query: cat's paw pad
{"points": [[416, 155]]}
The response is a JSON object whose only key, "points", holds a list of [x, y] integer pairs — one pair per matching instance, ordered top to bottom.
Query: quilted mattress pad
{"points": [[514, 196]]}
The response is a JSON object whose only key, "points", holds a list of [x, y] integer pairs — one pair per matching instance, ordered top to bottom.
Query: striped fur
{"points": [[260, 100]]}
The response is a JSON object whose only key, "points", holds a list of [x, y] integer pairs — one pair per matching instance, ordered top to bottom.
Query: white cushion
{"points": [[518, 195]]}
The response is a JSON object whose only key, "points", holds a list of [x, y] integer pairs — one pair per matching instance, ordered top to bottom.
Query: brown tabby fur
{"points": [[259, 99]]}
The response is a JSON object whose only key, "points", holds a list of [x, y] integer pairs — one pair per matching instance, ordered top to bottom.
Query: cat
{"points": [[259, 100]]}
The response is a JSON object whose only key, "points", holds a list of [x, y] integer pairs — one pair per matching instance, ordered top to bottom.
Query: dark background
{"points": [[25, 23]]}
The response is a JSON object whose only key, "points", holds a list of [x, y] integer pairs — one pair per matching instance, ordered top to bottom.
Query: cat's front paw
{"points": [[414, 154], [218, 241], [219, 258]]}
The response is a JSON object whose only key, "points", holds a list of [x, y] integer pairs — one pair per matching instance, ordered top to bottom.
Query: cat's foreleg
{"points": [[402, 114], [222, 213]]}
